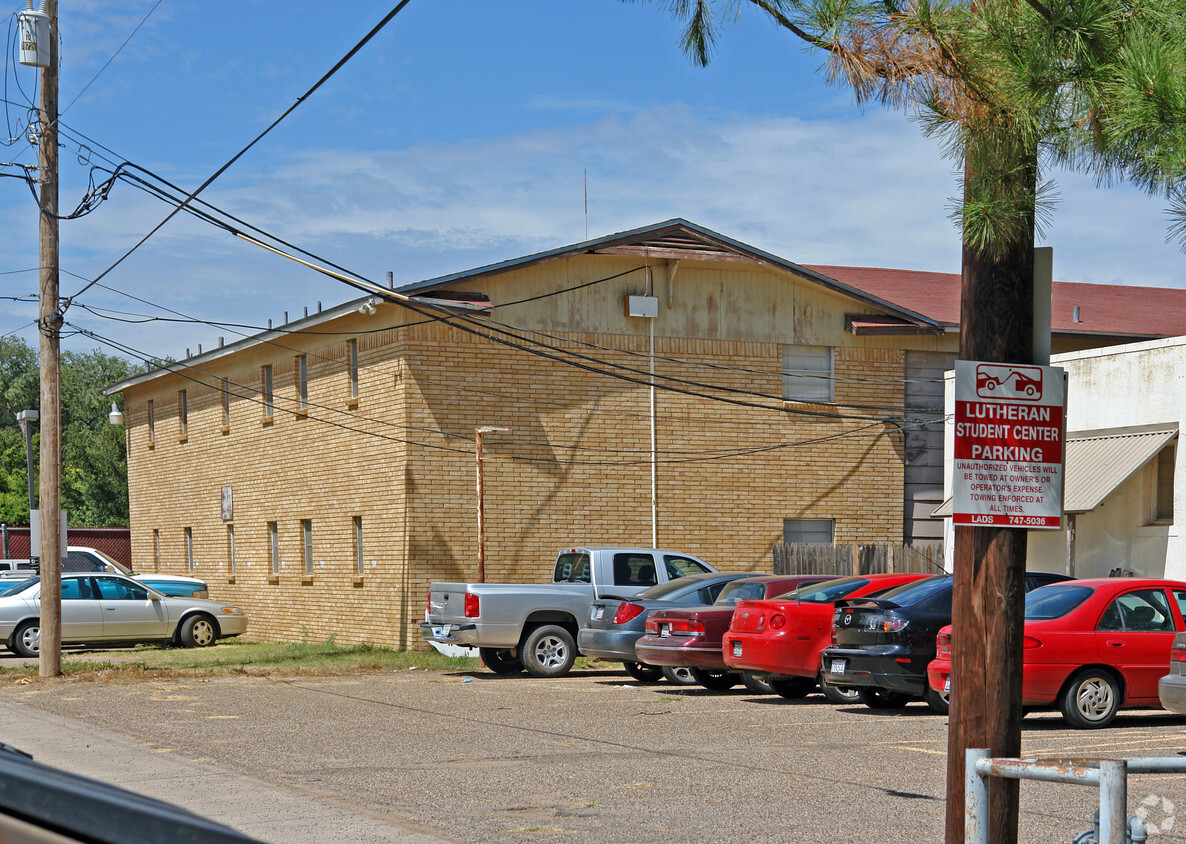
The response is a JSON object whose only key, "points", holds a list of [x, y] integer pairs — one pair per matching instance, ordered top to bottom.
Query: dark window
{"points": [[634, 570], [76, 589], [112, 589], [827, 591], [1054, 601]]}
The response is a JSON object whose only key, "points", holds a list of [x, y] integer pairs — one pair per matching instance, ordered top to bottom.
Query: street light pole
{"points": [[26, 418]]}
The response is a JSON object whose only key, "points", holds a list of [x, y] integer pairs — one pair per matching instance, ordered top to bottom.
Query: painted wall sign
{"points": [[1009, 434]]}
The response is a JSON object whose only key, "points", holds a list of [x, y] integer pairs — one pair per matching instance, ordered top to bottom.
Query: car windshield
{"points": [[20, 586], [664, 590], [741, 590], [917, 591], [825, 592], [1054, 601]]}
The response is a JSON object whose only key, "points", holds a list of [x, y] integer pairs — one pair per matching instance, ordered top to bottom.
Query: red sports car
{"points": [[691, 636], [783, 637], [1091, 647]]}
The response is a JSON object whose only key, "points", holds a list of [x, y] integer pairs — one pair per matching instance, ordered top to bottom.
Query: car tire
{"points": [[199, 631], [26, 639], [548, 651], [501, 660], [642, 672], [678, 675], [715, 680], [757, 685], [792, 688], [839, 694], [882, 698], [1090, 699], [937, 701]]}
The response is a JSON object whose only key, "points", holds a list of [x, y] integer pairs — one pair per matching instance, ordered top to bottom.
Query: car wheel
{"points": [[198, 631], [26, 639], [548, 651], [501, 660], [642, 672], [679, 675], [716, 681], [757, 685], [792, 688], [839, 694], [882, 698], [1090, 699], [937, 701]]}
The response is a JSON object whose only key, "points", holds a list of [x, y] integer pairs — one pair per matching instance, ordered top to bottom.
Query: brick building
{"points": [[321, 474]]}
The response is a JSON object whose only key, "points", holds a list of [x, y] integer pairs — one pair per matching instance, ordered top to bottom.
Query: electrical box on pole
{"points": [[35, 34]]}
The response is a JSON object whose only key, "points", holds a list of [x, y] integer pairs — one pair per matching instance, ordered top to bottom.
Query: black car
{"points": [[881, 646]]}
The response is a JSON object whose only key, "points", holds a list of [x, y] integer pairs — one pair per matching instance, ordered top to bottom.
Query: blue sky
{"points": [[460, 136]]}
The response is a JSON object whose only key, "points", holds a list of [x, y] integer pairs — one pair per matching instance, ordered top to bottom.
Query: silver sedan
{"points": [[105, 608]]}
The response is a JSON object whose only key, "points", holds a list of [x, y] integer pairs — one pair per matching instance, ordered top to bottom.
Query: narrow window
{"points": [[353, 347], [302, 373], [808, 373], [266, 388], [226, 404], [183, 414], [151, 424], [1164, 506], [808, 531], [307, 535], [274, 541], [189, 549], [230, 549], [156, 550], [359, 561]]}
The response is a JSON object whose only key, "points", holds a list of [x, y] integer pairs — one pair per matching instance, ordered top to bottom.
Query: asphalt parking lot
{"points": [[470, 756]]}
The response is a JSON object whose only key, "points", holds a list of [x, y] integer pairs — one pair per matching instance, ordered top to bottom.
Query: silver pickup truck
{"points": [[533, 626]]}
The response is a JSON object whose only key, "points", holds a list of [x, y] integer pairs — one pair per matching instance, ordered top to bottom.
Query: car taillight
{"points": [[471, 605], [626, 611], [777, 621], [892, 624], [674, 627], [1029, 642], [943, 644], [1178, 653]]}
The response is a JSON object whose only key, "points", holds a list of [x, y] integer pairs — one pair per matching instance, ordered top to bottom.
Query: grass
{"points": [[236, 657]]}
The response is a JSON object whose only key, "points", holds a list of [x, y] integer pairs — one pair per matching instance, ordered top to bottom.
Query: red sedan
{"points": [[691, 636], [783, 637], [1091, 647]]}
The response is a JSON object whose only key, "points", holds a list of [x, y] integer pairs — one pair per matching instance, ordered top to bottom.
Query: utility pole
{"points": [[49, 323], [480, 456]]}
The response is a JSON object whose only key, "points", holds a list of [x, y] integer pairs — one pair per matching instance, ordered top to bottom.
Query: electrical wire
{"points": [[110, 60], [333, 70]]}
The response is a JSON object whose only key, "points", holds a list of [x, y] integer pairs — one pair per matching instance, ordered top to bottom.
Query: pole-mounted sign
{"points": [[1009, 435]]}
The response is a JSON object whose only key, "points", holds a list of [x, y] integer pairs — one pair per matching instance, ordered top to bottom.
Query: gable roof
{"points": [[681, 240], [1104, 309]]}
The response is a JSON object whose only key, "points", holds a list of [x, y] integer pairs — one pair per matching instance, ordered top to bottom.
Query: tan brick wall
{"points": [[578, 468]]}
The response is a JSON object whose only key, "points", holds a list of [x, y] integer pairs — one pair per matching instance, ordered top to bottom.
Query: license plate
{"points": [[597, 613], [664, 630], [737, 650], [838, 666], [947, 686]]}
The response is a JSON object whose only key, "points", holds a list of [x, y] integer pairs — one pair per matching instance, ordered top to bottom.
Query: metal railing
{"points": [[1109, 775]]}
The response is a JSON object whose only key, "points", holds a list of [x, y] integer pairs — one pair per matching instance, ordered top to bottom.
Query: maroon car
{"points": [[691, 636]]}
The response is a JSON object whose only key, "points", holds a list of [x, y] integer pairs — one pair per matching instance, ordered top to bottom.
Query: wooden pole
{"points": [[50, 327], [988, 602]]}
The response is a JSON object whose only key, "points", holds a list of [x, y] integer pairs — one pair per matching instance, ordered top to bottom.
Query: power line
{"points": [[109, 61], [333, 70]]}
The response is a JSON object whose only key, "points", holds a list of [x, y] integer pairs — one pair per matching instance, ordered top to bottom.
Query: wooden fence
{"points": [[857, 559]]}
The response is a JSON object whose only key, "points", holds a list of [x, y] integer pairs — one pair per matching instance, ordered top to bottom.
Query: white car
{"points": [[80, 558], [104, 608]]}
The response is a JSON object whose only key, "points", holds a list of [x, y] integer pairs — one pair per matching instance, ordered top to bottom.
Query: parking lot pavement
{"points": [[594, 755]]}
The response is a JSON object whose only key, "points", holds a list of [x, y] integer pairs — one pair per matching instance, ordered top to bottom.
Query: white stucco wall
{"points": [[1118, 387]]}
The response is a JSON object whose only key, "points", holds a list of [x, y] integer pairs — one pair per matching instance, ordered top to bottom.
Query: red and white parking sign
{"points": [[1009, 434]]}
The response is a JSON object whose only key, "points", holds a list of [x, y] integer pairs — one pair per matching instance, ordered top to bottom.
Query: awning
{"points": [[1098, 462]]}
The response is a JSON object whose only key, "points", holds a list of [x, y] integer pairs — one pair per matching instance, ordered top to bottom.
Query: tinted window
{"points": [[78, 561], [683, 566], [572, 567], [634, 570], [76, 589], [111, 589], [827, 591], [909, 594], [1054, 601], [1141, 611]]}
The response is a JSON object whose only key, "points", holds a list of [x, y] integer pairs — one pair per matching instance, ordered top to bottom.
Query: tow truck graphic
{"points": [[1007, 381]]}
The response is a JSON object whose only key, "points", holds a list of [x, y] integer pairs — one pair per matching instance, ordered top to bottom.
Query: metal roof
{"points": [[1098, 462]]}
